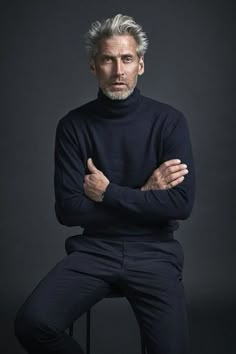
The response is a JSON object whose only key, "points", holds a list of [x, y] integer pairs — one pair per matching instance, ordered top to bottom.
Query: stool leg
{"points": [[88, 320], [71, 330], [143, 347]]}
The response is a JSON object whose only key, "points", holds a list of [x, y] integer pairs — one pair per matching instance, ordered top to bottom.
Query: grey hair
{"points": [[118, 25]]}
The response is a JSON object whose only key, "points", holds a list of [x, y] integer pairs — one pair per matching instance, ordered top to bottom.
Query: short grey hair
{"points": [[117, 25]]}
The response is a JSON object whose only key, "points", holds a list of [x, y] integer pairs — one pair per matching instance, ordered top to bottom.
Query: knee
{"points": [[23, 325], [29, 327]]}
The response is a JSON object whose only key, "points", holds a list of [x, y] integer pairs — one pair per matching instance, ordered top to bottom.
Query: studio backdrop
{"points": [[44, 74]]}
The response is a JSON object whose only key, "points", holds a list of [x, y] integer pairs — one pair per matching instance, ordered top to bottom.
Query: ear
{"points": [[92, 66], [141, 66]]}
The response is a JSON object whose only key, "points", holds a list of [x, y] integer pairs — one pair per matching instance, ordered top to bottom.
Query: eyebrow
{"points": [[114, 56]]}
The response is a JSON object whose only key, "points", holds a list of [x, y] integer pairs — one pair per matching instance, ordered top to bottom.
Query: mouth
{"points": [[118, 83]]}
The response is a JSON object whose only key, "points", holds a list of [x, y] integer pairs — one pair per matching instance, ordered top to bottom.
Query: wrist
{"points": [[103, 193]]}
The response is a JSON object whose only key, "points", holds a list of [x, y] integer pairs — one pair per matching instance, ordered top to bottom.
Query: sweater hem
{"points": [[160, 236]]}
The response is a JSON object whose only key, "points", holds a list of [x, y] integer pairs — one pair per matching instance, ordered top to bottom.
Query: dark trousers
{"points": [[149, 274]]}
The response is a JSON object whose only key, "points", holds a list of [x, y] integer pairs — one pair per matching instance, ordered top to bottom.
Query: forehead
{"points": [[116, 45]]}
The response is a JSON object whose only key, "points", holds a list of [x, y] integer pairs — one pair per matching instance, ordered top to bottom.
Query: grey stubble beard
{"points": [[119, 95]]}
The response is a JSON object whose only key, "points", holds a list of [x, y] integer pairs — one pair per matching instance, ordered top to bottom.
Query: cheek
{"points": [[133, 73], [103, 74]]}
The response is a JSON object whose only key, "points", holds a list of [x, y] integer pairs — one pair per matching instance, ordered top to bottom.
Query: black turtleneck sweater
{"points": [[127, 140]]}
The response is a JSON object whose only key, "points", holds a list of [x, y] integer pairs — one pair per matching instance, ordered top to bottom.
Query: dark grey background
{"points": [[44, 74]]}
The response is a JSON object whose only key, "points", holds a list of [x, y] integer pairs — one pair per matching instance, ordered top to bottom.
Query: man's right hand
{"points": [[166, 176]]}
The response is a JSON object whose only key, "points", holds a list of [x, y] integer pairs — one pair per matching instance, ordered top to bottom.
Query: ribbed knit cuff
{"points": [[112, 194], [119, 196]]}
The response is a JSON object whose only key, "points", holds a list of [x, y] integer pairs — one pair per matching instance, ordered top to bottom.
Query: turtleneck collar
{"points": [[117, 108]]}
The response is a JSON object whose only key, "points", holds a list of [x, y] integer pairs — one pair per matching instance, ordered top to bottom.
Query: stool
{"points": [[113, 294]]}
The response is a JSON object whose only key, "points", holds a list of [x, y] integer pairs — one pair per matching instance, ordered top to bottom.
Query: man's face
{"points": [[117, 66]]}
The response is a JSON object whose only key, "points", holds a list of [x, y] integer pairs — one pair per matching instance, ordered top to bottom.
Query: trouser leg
{"points": [[154, 289], [68, 290]]}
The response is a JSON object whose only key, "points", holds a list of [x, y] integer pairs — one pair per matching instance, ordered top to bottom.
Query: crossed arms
{"points": [[168, 175], [167, 194]]}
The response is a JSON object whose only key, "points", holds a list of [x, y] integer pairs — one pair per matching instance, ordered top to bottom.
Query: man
{"points": [[124, 173]]}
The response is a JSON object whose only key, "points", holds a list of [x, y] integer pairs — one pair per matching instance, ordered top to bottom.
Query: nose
{"points": [[118, 67]]}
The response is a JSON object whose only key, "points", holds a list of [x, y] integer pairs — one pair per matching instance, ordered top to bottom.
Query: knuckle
{"points": [[165, 164]]}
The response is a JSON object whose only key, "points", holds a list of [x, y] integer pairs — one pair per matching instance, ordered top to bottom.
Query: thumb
{"points": [[92, 168]]}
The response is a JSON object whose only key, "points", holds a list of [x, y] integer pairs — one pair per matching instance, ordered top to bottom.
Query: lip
{"points": [[118, 84]]}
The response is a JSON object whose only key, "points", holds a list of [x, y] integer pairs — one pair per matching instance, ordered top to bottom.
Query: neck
{"points": [[118, 108]]}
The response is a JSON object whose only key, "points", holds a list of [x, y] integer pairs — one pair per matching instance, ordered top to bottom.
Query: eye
{"points": [[106, 59], [127, 59]]}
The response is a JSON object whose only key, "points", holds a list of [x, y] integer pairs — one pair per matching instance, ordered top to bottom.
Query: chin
{"points": [[117, 95]]}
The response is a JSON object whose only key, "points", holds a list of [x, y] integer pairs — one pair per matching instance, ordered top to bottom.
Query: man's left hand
{"points": [[95, 183]]}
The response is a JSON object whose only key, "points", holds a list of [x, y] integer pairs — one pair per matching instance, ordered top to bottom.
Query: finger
{"points": [[169, 163], [92, 168], [176, 168], [173, 176], [86, 178], [176, 182]]}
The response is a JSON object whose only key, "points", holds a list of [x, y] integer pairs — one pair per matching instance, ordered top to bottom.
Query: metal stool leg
{"points": [[88, 321], [71, 330], [88, 337], [143, 346]]}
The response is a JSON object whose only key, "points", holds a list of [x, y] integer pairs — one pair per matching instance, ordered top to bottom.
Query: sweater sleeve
{"points": [[160, 205], [72, 206]]}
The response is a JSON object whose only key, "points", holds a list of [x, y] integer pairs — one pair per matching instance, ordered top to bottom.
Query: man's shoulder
{"points": [[161, 107], [78, 113]]}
